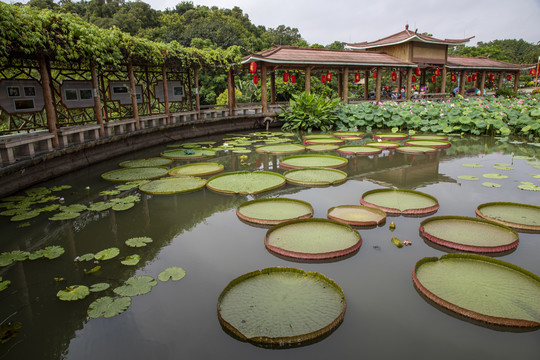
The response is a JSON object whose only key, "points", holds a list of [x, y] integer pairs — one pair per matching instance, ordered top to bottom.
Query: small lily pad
{"points": [[472, 165], [502, 167], [131, 174], [495, 176], [467, 177], [491, 184], [528, 186], [110, 192], [100, 206], [122, 206], [76, 208], [65, 215], [25, 216], [138, 241], [50, 252], [107, 254], [19, 255], [86, 257], [5, 259], [131, 260], [93, 270], [173, 273], [4, 284], [137, 285], [99, 287], [74, 292], [108, 307]]}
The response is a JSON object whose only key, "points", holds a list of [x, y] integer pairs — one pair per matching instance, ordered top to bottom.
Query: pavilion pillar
{"points": [[422, 78], [308, 80], [443, 80], [516, 80], [462, 82], [482, 82], [400, 83], [409, 83], [500, 83], [340, 84], [366, 85], [378, 85], [272, 87], [264, 91], [345, 91], [133, 93], [148, 94], [166, 94], [231, 94], [190, 95], [197, 96], [97, 102], [50, 110]]}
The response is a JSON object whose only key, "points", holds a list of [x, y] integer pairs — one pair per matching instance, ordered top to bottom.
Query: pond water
{"points": [[386, 318]]}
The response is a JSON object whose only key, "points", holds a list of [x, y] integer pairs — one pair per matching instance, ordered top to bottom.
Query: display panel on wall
{"points": [[175, 90], [119, 91], [77, 94], [21, 96]]}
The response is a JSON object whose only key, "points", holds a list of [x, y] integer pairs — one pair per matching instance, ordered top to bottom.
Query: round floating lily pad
{"points": [[343, 134], [317, 136], [391, 136], [428, 137], [351, 138], [330, 140], [383, 144], [439, 144], [322, 147], [280, 149], [359, 150], [416, 150], [185, 154], [309, 161], [150, 162], [472, 165], [197, 169], [131, 174], [316, 176], [495, 176], [467, 177], [245, 182], [491, 184], [173, 185], [525, 185], [394, 201], [274, 211], [357, 215], [514, 215], [469, 234], [314, 239], [138, 241], [107, 254], [173, 273], [136, 285], [481, 288], [281, 306], [108, 307]]}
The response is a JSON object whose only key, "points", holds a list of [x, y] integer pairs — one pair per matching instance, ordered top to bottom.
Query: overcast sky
{"points": [[325, 21]]}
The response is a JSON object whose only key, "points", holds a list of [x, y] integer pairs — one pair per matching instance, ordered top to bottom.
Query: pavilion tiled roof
{"points": [[301, 56], [481, 63]]}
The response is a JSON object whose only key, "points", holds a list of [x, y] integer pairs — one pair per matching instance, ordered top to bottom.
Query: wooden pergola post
{"points": [[147, 80], [308, 80], [443, 80], [516, 80], [400, 81], [462, 82], [500, 82], [409, 83], [483, 83], [340, 84], [366, 85], [378, 85], [272, 87], [230, 88], [104, 91], [264, 91], [133, 93], [190, 93], [166, 94], [197, 96], [345, 97], [97, 101], [50, 110]]}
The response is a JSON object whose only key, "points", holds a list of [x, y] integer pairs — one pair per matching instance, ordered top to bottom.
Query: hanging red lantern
{"points": [[253, 67], [417, 72], [437, 72], [532, 72], [375, 74], [328, 76], [394, 76], [285, 77], [357, 77], [474, 77], [508, 77], [323, 78], [413, 78], [433, 78], [453, 78], [469, 78], [492, 78], [255, 79], [293, 79]]}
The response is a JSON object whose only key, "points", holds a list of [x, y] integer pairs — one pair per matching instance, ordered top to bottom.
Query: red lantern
{"points": [[253, 67], [417, 72], [437, 72], [532, 72], [374, 74], [328, 76], [394, 76], [285, 77], [357, 77], [453, 77], [474, 77], [508, 77], [323, 78], [413, 78], [433, 78], [469, 78], [492, 78], [255, 79], [293, 79]]}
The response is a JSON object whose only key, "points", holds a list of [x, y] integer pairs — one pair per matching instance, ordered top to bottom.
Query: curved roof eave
{"points": [[414, 37], [292, 62]]}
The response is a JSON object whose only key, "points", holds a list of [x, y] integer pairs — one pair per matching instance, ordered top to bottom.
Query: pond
{"points": [[201, 233]]}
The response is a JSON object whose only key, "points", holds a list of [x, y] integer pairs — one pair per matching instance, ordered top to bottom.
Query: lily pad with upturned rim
{"points": [[342, 134], [391, 136], [428, 137], [329, 140], [383, 144], [439, 144], [322, 147], [281, 149], [359, 150], [416, 150], [181, 154], [312, 161], [150, 162], [197, 169], [132, 174], [315, 176], [245, 182], [173, 185], [399, 201], [274, 211], [357, 215], [515, 215], [469, 234], [313, 239], [481, 288], [281, 306]]}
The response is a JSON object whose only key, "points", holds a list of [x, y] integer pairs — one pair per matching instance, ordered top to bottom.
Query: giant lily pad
{"points": [[346, 134], [391, 136], [428, 137], [328, 140], [383, 144], [439, 144], [322, 147], [281, 149], [359, 150], [416, 150], [181, 154], [310, 161], [150, 162], [197, 169], [132, 174], [316, 176], [245, 182], [173, 185], [395, 201], [274, 211], [357, 215], [514, 215], [469, 234], [312, 239], [136, 285], [481, 288], [281, 306], [108, 307]]}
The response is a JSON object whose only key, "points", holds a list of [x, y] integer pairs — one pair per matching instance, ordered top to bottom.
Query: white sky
{"points": [[325, 21]]}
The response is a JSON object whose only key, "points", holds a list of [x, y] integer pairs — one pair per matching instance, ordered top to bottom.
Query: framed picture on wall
{"points": [[13, 91], [29, 91], [178, 91], [85, 94], [71, 95], [24, 104]]}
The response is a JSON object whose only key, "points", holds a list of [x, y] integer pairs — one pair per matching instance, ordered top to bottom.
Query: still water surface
{"points": [[385, 319]]}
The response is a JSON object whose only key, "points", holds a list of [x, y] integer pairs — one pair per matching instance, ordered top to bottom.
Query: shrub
{"points": [[506, 92], [308, 112]]}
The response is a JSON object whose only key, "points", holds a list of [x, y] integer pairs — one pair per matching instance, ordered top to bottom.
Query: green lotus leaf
{"points": [[180, 154], [523, 157], [150, 162], [472, 165], [502, 167], [196, 169], [131, 174], [495, 176], [467, 177], [245, 182], [491, 184], [131, 185], [173, 185], [528, 186], [109, 192], [47, 199], [100, 206], [122, 206], [48, 208], [77, 208], [15, 211], [65, 215], [25, 216], [23, 225], [138, 241], [50, 252], [107, 254], [19, 255], [85, 257], [5, 259], [131, 260], [93, 270], [174, 273], [4, 284], [136, 285], [99, 287], [74, 292], [108, 307]]}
